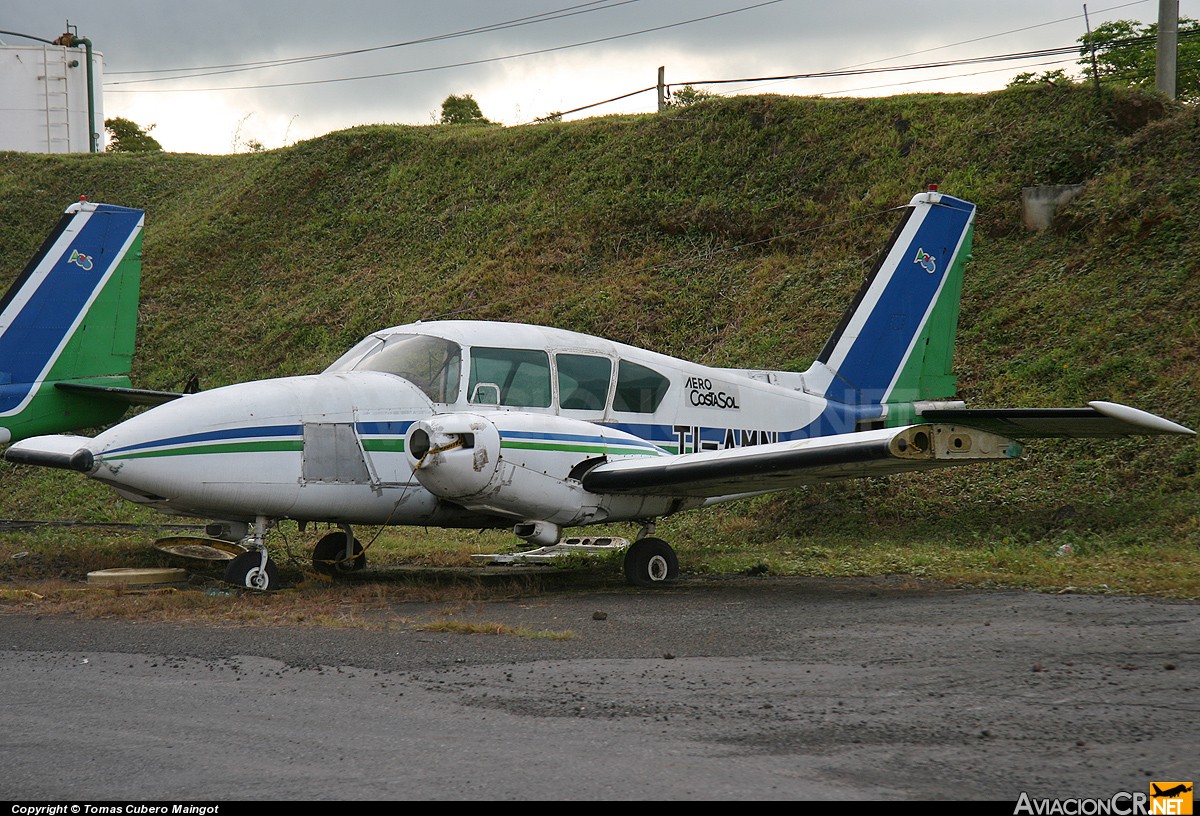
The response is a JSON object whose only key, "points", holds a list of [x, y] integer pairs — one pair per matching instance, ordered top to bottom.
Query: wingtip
{"points": [[1152, 423]]}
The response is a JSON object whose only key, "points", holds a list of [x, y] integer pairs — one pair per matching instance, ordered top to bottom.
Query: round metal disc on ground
{"points": [[207, 549], [135, 576]]}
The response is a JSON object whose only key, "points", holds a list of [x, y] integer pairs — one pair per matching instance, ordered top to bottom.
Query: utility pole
{"points": [[1092, 44], [1168, 46], [662, 88]]}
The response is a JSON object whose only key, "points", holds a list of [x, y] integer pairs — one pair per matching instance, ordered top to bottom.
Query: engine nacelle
{"points": [[454, 456], [524, 466]]}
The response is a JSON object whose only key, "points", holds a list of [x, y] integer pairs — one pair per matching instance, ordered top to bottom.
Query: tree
{"points": [[1126, 50], [1055, 77], [687, 96], [462, 110], [127, 136]]}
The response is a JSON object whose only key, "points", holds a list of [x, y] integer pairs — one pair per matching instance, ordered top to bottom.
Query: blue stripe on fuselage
{"points": [[835, 419], [383, 428], [258, 431], [225, 435], [579, 438]]}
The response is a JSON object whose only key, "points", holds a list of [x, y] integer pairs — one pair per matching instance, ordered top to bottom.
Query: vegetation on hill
{"points": [[731, 231]]}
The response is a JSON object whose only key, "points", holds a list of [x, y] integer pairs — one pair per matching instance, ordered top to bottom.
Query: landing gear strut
{"points": [[332, 556], [650, 561], [253, 569]]}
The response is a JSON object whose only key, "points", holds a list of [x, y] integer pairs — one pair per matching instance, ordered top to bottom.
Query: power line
{"points": [[569, 11], [1000, 34], [987, 37], [1046, 52], [451, 65], [850, 72], [595, 104]]}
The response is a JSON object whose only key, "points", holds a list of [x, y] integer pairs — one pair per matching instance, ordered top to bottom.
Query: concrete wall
{"points": [[1039, 204]]}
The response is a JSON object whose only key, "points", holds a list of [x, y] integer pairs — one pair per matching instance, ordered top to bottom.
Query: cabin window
{"points": [[361, 349], [430, 363], [521, 376], [583, 381], [639, 389]]}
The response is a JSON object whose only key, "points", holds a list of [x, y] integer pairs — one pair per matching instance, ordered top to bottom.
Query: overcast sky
{"points": [[527, 58]]}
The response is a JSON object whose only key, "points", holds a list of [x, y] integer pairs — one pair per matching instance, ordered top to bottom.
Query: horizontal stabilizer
{"points": [[130, 396], [1100, 419], [56, 451], [783, 465]]}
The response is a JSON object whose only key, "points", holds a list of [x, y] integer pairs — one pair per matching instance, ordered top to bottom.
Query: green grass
{"points": [[733, 232]]}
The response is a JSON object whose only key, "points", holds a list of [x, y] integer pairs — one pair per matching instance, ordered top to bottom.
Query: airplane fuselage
{"points": [[485, 424], [337, 445]]}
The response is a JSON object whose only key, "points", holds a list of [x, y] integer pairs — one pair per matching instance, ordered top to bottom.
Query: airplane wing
{"points": [[131, 396], [1101, 419], [950, 437], [783, 465]]}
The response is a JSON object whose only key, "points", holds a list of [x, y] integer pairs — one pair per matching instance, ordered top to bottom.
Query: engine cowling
{"points": [[454, 456], [526, 467]]}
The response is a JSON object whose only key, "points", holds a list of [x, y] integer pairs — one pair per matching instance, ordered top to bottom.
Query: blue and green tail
{"points": [[68, 322], [895, 344]]}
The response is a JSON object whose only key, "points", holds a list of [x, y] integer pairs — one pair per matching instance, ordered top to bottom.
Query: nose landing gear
{"points": [[253, 569]]}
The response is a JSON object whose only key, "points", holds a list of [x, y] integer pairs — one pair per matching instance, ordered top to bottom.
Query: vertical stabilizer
{"points": [[71, 317], [896, 341]]}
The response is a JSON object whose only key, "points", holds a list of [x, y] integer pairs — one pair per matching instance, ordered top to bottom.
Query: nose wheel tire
{"points": [[329, 556], [650, 562], [247, 571]]}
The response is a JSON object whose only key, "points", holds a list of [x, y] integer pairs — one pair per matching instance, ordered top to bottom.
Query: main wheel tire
{"points": [[330, 552], [650, 562], [247, 571]]}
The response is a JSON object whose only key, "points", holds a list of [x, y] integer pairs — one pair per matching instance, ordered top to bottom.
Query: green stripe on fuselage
{"points": [[383, 445], [255, 446], [567, 447]]}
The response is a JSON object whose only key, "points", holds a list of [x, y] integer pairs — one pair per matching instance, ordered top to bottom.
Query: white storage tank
{"points": [[44, 99]]}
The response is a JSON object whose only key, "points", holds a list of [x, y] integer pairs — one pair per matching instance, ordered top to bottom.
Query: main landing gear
{"points": [[339, 553], [335, 554], [650, 561]]}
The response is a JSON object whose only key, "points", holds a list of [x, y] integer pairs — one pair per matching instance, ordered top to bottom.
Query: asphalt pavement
{"points": [[714, 689]]}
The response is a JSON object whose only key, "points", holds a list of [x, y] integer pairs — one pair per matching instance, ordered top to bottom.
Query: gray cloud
{"points": [[791, 36]]}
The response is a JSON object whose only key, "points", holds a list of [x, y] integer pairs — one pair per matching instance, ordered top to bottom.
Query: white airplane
{"points": [[481, 424]]}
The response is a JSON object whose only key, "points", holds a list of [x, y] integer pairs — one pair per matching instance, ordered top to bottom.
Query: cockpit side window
{"points": [[430, 363], [521, 375], [583, 381], [639, 389]]}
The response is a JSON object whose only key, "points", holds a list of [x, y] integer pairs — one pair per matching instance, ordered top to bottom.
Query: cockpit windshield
{"points": [[430, 363]]}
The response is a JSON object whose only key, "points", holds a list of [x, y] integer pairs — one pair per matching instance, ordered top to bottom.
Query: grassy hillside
{"points": [[734, 232]]}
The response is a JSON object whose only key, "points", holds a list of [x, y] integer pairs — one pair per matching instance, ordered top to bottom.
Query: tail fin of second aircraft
{"points": [[71, 318], [896, 341]]}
